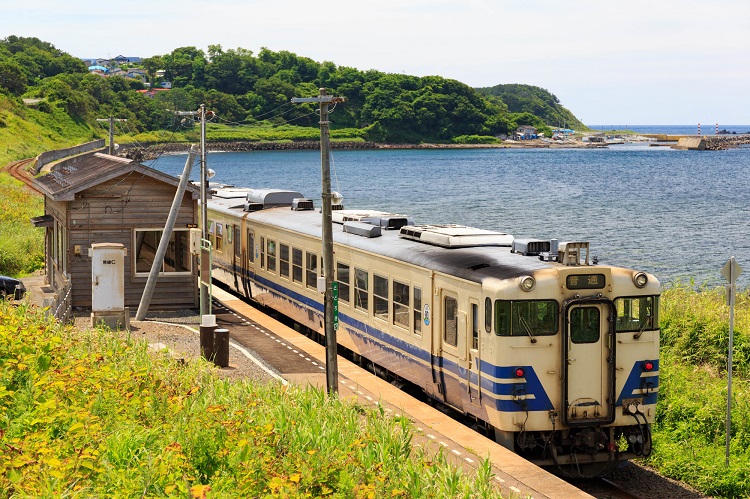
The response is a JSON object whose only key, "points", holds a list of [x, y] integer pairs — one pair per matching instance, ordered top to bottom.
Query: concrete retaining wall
{"points": [[691, 143], [56, 154]]}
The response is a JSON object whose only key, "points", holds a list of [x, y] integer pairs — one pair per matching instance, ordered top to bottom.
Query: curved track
{"points": [[20, 171]]}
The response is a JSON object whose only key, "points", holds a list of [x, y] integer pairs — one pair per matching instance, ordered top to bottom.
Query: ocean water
{"points": [[705, 128], [677, 214]]}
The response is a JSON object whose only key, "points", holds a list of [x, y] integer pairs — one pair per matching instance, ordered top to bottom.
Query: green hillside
{"points": [[251, 90], [540, 103]]}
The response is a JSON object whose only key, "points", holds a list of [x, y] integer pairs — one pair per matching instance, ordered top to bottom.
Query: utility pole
{"points": [[111, 120], [205, 299], [332, 381]]}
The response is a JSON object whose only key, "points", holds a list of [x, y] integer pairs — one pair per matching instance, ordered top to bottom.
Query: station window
{"points": [[250, 246], [262, 252], [271, 256], [177, 259], [284, 260], [297, 265], [312, 270], [343, 278], [361, 293], [380, 297], [401, 310], [417, 310], [638, 313], [488, 315], [526, 318], [450, 321], [474, 326]]}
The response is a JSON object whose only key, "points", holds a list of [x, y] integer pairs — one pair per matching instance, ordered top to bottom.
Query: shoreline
{"points": [[152, 151]]}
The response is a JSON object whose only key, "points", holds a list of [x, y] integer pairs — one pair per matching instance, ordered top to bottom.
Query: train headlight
{"points": [[640, 279], [527, 283], [648, 366], [519, 372]]}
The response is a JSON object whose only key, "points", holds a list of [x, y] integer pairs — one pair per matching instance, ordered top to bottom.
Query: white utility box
{"points": [[108, 285]]}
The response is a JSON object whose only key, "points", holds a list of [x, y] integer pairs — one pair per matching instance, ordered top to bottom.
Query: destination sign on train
{"points": [[585, 281]]}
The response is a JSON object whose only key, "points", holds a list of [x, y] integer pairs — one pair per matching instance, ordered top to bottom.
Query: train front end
{"points": [[576, 364]]}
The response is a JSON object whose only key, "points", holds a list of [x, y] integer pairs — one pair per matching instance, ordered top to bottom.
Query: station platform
{"points": [[515, 476]]}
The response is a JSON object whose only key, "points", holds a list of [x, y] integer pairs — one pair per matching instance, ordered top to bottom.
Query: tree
{"points": [[12, 77]]}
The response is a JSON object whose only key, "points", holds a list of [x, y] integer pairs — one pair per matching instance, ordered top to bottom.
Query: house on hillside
{"points": [[526, 132], [97, 198]]}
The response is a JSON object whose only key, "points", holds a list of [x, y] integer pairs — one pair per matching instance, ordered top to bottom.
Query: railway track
{"points": [[20, 170]]}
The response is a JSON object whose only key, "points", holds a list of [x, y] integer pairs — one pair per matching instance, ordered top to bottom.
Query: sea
{"points": [[679, 215]]}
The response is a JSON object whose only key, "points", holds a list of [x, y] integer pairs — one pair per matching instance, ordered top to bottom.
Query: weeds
{"points": [[87, 414]]}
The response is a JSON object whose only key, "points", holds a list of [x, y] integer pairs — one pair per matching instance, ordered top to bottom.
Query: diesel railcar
{"points": [[554, 354]]}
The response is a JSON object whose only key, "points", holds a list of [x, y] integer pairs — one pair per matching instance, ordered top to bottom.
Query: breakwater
{"points": [[150, 152]]}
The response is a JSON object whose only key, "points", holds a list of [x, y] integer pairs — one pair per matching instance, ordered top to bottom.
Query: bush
{"points": [[475, 139]]}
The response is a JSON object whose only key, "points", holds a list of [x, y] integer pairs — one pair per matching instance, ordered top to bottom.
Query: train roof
{"points": [[465, 252]]}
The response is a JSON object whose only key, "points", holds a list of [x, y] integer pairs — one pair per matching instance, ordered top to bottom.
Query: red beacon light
{"points": [[648, 366], [519, 372]]}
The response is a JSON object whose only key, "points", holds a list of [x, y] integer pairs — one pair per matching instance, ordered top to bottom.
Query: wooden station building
{"points": [[98, 198]]}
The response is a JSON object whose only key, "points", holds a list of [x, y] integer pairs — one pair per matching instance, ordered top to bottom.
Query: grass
{"points": [[21, 244], [92, 415], [689, 433]]}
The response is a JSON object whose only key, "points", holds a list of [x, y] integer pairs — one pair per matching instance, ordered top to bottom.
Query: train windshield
{"points": [[636, 313], [526, 317]]}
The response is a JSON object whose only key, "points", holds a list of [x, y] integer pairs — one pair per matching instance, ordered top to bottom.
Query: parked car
{"points": [[10, 286]]}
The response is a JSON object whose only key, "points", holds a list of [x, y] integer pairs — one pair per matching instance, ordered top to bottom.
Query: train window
{"points": [[237, 242], [219, 246], [250, 246], [262, 252], [271, 256], [284, 260], [297, 265], [312, 271], [342, 276], [361, 294], [380, 297], [401, 304], [417, 310], [637, 313], [488, 314], [528, 317], [450, 321], [584, 325], [474, 326]]}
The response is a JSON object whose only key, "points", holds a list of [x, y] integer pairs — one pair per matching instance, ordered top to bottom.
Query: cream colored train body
{"points": [[557, 356]]}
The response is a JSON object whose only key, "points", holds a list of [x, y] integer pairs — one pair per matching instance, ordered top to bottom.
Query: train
{"points": [[553, 354]]}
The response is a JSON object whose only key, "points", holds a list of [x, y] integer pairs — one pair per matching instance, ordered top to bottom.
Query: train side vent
{"points": [[302, 204], [252, 206], [362, 229], [530, 247]]}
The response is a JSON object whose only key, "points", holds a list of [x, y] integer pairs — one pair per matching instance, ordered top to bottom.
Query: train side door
{"points": [[249, 260], [452, 331], [589, 366], [474, 372]]}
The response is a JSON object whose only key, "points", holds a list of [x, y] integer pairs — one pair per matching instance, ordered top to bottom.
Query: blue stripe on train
{"points": [[635, 383], [529, 385]]}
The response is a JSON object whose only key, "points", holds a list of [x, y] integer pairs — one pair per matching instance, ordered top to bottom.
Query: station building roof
{"points": [[67, 178]]}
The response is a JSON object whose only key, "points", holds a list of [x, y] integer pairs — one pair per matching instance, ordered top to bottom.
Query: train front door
{"points": [[589, 359]]}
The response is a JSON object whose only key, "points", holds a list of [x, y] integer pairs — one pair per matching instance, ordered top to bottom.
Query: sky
{"points": [[610, 63]]}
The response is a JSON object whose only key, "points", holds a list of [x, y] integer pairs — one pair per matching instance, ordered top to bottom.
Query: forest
{"points": [[243, 88]]}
